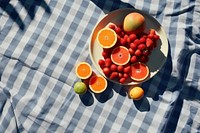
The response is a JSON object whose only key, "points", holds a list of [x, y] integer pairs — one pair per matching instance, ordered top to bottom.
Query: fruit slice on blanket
{"points": [[83, 70], [97, 84]]}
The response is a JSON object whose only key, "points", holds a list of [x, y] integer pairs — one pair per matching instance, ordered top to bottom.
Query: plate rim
{"points": [[131, 10]]}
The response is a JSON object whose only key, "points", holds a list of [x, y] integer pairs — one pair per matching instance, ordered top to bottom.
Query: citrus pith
{"points": [[106, 38], [120, 55], [83, 70], [139, 71], [97, 84]]}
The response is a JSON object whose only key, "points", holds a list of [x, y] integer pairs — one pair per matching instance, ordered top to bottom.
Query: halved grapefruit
{"points": [[106, 38], [120, 55], [83, 70], [139, 71], [97, 84]]}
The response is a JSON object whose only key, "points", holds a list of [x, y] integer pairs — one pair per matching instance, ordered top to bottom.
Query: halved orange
{"points": [[106, 38], [120, 55], [83, 70], [139, 71], [97, 84]]}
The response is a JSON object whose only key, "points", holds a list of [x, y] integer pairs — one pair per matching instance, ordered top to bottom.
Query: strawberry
{"points": [[112, 26], [118, 30], [152, 32], [150, 36], [125, 37], [132, 37], [156, 37], [128, 40], [142, 40], [122, 41], [137, 41], [149, 43], [133, 46], [139, 47], [142, 47], [131, 51], [138, 53], [105, 54], [134, 59], [108, 62], [101, 63], [113, 67], [120, 68], [127, 69], [106, 71], [114, 75], [120, 75], [125, 75], [122, 80]]}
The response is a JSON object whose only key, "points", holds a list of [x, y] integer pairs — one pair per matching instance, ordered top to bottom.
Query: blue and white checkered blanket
{"points": [[42, 40]]}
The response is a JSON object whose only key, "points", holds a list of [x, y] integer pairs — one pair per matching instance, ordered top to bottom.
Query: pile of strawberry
{"points": [[139, 46]]}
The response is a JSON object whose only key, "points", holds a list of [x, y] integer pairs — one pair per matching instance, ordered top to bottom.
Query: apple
{"points": [[134, 23]]}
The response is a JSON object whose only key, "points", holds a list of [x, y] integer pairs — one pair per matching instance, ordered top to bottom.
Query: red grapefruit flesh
{"points": [[120, 55], [139, 71]]}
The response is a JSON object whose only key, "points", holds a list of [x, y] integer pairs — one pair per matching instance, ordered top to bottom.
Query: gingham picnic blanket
{"points": [[42, 40]]}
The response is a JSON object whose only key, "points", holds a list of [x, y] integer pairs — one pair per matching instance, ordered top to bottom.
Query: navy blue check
{"points": [[42, 41]]}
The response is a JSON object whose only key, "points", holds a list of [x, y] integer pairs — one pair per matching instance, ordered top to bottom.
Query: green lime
{"points": [[80, 87]]}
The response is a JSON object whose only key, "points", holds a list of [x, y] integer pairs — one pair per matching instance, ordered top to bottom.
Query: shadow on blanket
{"points": [[30, 7]]}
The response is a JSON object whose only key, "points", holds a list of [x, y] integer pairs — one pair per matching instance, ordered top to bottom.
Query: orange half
{"points": [[106, 38], [120, 55], [83, 70], [139, 71], [97, 84]]}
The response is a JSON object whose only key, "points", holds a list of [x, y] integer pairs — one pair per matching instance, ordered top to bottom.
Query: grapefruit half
{"points": [[120, 55], [139, 71]]}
